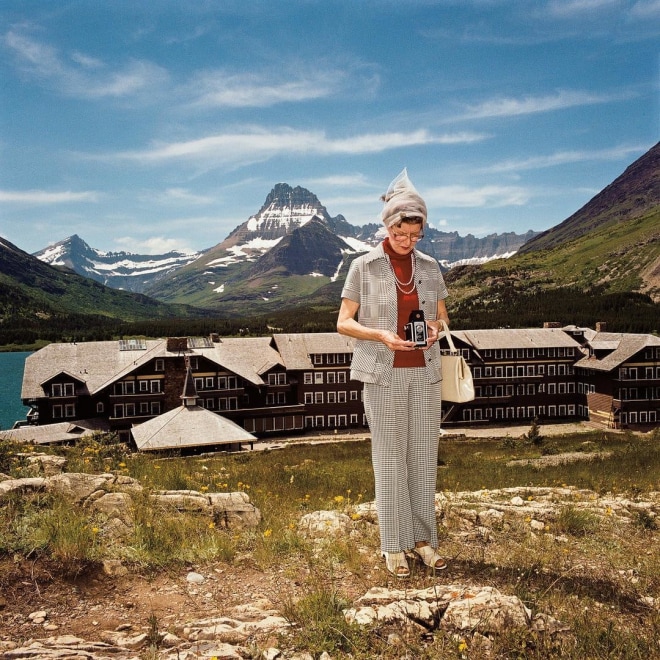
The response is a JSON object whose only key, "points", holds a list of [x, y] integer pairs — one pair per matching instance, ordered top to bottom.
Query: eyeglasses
{"points": [[400, 236]]}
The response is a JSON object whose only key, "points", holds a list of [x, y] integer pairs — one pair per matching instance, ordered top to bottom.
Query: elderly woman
{"points": [[401, 379]]}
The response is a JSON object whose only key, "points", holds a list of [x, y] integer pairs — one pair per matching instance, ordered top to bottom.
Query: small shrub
{"points": [[534, 434], [646, 521], [576, 522], [320, 624]]}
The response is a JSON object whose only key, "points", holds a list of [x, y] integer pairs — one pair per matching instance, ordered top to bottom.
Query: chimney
{"points": [[551, 324], [601, 326], [177, 344]]}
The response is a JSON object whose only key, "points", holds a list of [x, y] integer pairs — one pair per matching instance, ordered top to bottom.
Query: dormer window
{"points": [[160, 365]]}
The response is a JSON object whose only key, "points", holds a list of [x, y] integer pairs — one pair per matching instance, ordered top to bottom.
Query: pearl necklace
{"points": [[402, 285]]}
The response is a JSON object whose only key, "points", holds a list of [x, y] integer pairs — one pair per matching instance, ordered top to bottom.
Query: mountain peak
{"points": [[284, 210]]}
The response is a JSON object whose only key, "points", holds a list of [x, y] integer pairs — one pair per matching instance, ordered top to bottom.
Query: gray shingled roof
{"points": [[516, 338], [623, 347], [295, 349], [94, 363], [99, 363], [186, 427], [55, 433]]}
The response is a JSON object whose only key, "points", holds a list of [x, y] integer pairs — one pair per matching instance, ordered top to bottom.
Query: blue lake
{"points": [[12, 366]]}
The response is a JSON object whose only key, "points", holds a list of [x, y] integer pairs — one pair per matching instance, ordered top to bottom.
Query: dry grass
{"points": [[590, 564]]}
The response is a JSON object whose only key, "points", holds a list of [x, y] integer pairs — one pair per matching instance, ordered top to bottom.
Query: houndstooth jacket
{"points": [[370, 282]]}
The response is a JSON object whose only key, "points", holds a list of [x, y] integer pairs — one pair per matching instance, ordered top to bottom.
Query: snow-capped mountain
{"points": [[289, 249], [119, 270]]}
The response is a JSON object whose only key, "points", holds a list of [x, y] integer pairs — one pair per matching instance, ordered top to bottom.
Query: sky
{"points": [[151, 125]]}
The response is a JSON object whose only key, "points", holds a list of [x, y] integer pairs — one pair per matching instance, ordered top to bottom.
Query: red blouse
{"points": [[406, 303]]}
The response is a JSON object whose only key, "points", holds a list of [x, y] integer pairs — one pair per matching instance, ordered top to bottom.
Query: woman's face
{"points": [[404, 236]]}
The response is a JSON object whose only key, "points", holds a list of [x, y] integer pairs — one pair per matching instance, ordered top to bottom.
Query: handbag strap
{"points": [[450, 341]]}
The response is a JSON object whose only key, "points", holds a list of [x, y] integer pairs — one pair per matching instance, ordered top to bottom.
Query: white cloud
{"points": [[569, 8], [646, 10], [84, 76], [237, 90], [512, 107], [258, 144], [566, 157], [175, 196], [46, 197], [474, 197], [152, 245]]}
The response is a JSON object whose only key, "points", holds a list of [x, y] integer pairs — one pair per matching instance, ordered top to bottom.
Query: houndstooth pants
{"points": [[404, 420]]}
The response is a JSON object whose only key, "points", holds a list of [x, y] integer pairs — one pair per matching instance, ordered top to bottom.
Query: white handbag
{"points": [[456, 383]]}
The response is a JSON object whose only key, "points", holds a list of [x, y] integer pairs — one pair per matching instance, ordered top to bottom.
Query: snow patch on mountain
{"points": [[282, 216], [249, 251], [474, 261]]}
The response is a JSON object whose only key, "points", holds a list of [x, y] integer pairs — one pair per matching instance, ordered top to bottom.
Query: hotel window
{"points": [[520, 352], [530, 352], [551, 352], [561, 352], [509, 353], [331, 358], [341, 358], [317, 359], [194, 363], [160, 365], [540, 369], [561, 369], [530, 370], [551, 370], [488, 371], [520, 371], [477, 372], [499, 372], [509, 372], [331, 377], [341, 377], [308, 378], [318, 378], [210, 382], [143, 385], [155, 386], [129, 387], [552, 388], [562, 388], [571, 388], [56, 389], [68, 389], [531, 389], [509, 390], [354, 395], [281, 397], [309, 397], [318, 397], [332, 397], [341, 397], [270, 399], [209, 404], [144, 407], [155, 407], [571, 409], [70, 410], [119, 410], [130, 410], [562, 411], [531, 412], [354, 419], [342, 420], [319, 421], [332, 421]]}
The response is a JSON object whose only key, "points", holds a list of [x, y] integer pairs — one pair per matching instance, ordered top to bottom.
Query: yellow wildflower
{"points": [[267, 533]]}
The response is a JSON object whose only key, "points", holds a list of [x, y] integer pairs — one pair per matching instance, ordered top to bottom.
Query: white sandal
{"points": [[430, 557], [397, 564]]}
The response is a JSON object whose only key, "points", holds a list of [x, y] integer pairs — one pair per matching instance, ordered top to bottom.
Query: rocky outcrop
{"points": [[110, 494], [472, 612]]}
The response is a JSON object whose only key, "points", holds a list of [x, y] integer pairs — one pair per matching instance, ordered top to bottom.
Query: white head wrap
{"points": [[402, 201]]}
